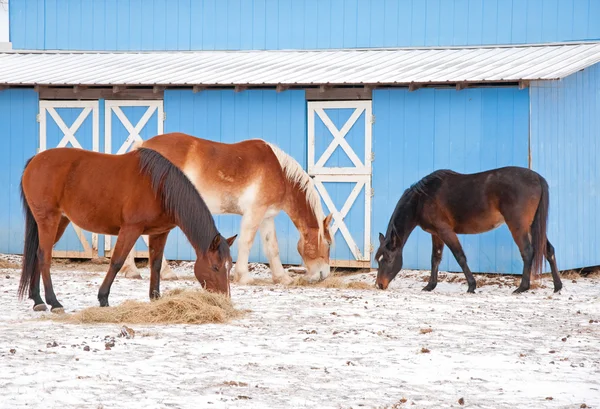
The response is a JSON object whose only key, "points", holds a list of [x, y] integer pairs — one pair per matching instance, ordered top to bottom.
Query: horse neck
{"points": [[297, 207], [404, 220]]}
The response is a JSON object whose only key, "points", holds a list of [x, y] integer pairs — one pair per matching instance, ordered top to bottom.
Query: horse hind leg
{"points": [[250, 223], [51, 228], [269, 239], [523, 241], [125, 242], [552, 260], [129, 268], [166, 273], [34, 289]]}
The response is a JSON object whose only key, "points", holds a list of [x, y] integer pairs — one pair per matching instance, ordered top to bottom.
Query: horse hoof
{"points": [[170, 276], [284, 279], [244, 280], [428, 288], [557, 289], [520, 290], [471, 291], [40, 307], [58, 310]]}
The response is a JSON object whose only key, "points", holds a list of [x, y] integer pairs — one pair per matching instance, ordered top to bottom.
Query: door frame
{"points": [[47, 107], [360, 174]]}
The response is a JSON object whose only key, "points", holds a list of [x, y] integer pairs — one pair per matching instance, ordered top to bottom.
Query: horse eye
{"points": [[215, 268]]}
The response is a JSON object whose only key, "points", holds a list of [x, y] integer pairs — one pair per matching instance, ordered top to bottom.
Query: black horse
{"points": [[445, 203]]}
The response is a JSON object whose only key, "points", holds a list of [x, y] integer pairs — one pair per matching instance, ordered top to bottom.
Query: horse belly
{"points": [[481, 224]]}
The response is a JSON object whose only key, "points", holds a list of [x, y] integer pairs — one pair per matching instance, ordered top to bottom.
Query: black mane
{"points": [[181, 200], [406, 208]]}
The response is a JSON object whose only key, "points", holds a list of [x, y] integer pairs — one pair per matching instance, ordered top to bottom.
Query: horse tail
{"points": [[179, 198], [538, 230], [30, 249]]}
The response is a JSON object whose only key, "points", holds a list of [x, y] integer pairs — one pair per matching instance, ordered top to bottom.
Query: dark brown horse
{"points": [[126, 195], [445, 203]]}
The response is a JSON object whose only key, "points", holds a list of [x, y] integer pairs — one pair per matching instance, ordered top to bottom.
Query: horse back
{"points": [[228, 176], [94, 190], [473, 203]]}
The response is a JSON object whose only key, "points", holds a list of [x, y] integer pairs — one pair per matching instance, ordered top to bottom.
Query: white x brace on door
{"points": [[122, 134], [62, 136], [354, 171]]}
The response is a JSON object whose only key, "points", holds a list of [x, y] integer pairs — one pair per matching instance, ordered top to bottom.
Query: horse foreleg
{"points": [[250, 222], [48, 233], [451, 240], [125, 242], [156, 245], [271, 248], [437, 248], [552, 260], [129, 268]]}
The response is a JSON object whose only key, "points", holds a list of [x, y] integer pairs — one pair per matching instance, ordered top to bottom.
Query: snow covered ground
{"points": [[309, 347]]}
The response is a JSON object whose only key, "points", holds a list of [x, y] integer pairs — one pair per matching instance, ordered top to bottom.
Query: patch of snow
{"points": [[308, 347]]}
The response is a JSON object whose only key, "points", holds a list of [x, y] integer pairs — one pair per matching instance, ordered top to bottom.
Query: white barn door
{"points": [[126, 122], [71, 124], [339, 160]]}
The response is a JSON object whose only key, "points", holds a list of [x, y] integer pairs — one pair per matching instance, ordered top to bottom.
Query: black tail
{"points": [[179, 197], [538, 230], [30, 249]]}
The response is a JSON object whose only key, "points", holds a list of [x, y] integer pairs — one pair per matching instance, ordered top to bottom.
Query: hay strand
{"points": [[177, 306]]}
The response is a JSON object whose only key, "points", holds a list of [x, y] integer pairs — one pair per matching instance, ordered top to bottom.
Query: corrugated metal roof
{"points": [[300, 67]]}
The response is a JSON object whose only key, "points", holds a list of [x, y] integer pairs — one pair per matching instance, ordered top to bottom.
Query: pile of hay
{"points": [[333, 282], [174, 307]]}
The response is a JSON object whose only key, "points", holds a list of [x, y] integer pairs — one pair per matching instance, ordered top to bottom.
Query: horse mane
{"points": [[296, 175], [426, 186], [180, 200]]}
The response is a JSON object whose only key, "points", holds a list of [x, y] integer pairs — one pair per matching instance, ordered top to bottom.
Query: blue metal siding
{"points": [[297, 24], [227, 116], [467, 131], [19, 139], [565, 146]]}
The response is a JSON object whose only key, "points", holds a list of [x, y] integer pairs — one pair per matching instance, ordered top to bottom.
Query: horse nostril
{"points": [[380, 286]]}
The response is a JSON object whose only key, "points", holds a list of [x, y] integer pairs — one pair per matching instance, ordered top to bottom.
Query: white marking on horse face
{"points": [[224, 177], [248, 197], [380, 258]]}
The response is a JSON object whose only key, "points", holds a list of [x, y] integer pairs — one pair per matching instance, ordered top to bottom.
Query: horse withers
{"points": [[257, 180], [66, 185], [446, 203]]}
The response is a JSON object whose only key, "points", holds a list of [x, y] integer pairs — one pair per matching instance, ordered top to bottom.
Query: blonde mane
{"points": [[296, 174]]}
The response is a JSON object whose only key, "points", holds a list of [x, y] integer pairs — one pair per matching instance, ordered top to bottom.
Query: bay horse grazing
{"points": [[257, 180], [66, 185], [445, 203]]}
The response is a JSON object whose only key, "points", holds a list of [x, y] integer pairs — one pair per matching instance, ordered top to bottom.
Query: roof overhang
{"points": [[300, 68]]}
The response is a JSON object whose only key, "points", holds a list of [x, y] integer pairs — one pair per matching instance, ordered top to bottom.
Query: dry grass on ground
{"points": [[174, 307]]}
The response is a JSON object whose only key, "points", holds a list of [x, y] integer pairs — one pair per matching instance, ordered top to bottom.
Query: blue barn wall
{"points": [[295, 24], [228, 116], [466, 131], [19, 139], [565, 146]]}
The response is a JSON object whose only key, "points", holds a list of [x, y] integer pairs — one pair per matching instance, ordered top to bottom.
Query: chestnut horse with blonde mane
{"points": [[257, 180], [64, 185]]}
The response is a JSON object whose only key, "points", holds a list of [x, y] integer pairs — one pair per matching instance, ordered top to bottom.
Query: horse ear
{"points": [[327, 220], [381, 238], [231, 240], [214, 246]]}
